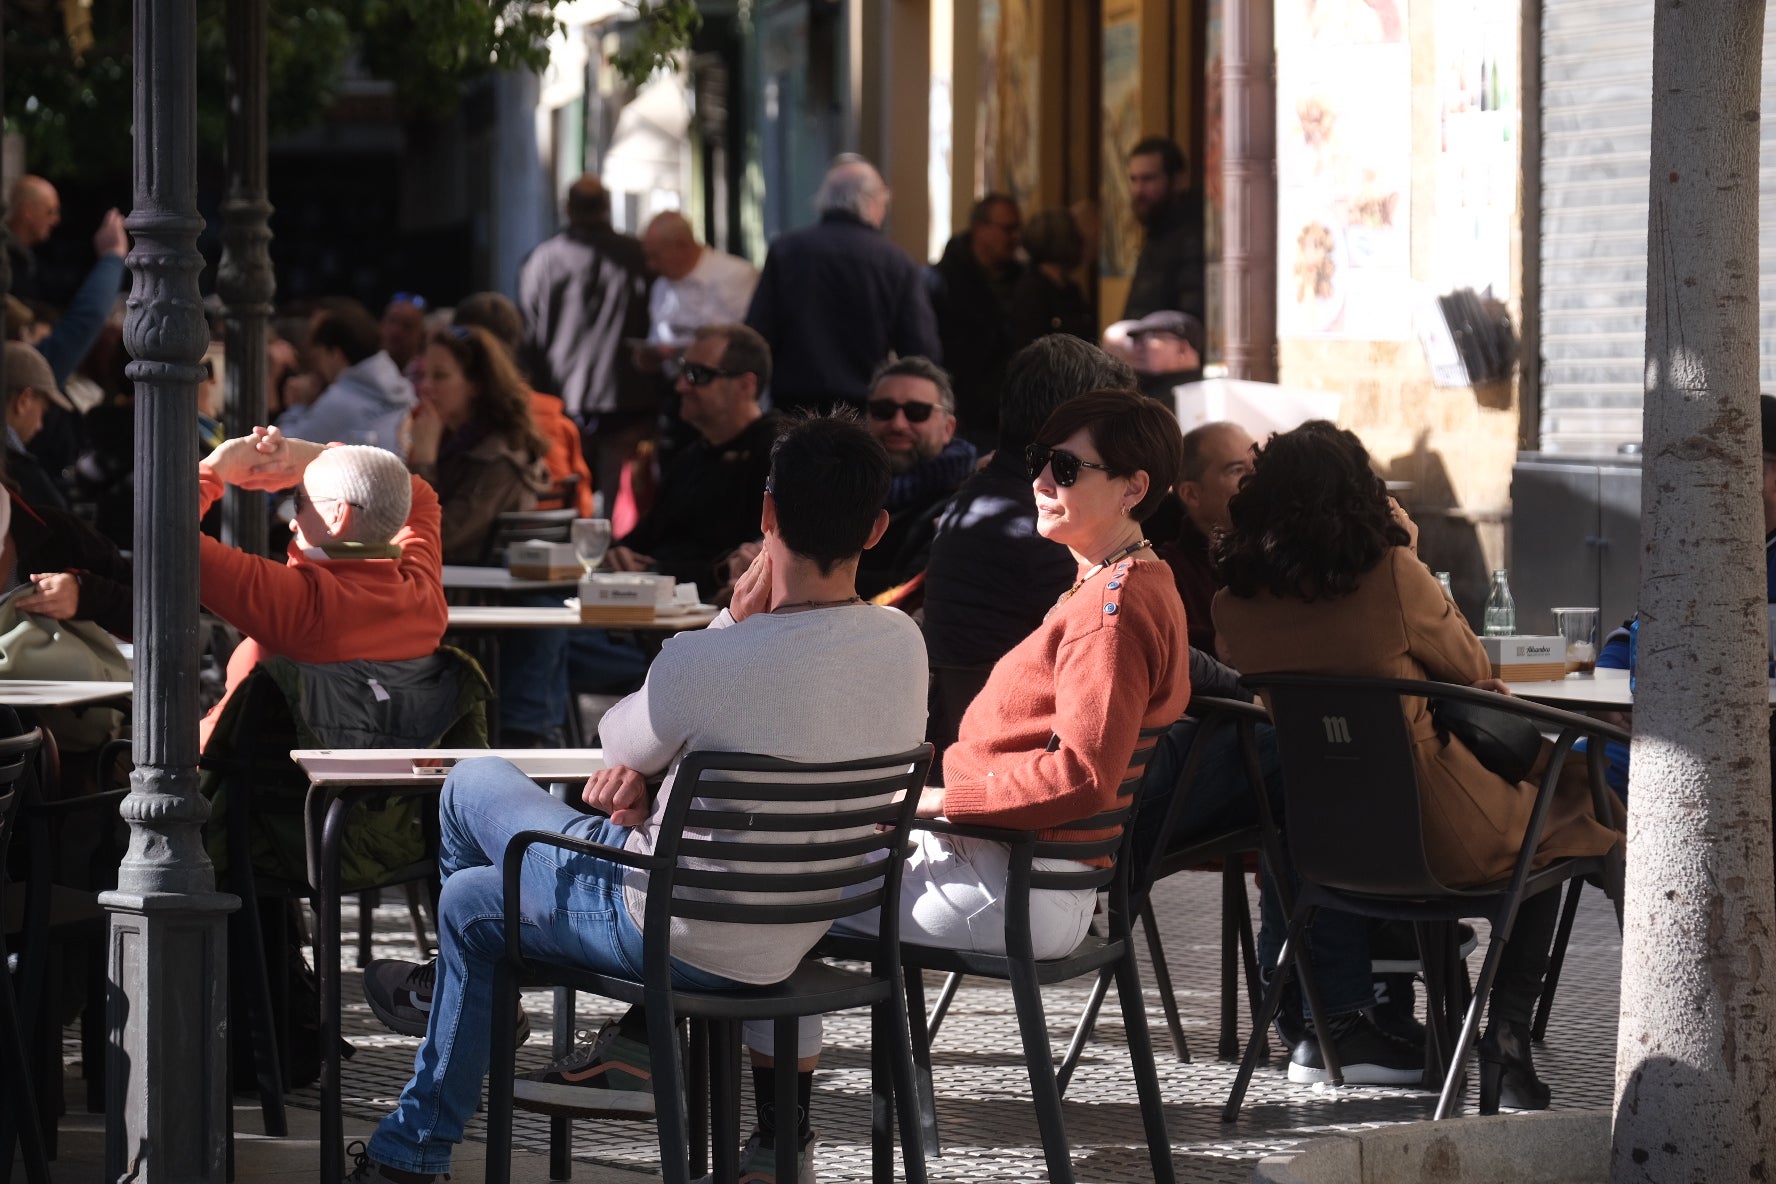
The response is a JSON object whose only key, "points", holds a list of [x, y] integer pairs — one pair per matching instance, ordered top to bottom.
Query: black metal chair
{"points": [[517, 526], [1345, 741], [255, 761], [845, 827], [1105, 837], [1229, 849], [20, 1121]]}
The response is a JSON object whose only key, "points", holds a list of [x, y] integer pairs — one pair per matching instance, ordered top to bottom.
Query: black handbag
{"points": [[1504, 743]]}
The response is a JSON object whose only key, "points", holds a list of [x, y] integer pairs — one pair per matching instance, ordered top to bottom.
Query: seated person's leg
{"points": [[599, 664], [533, 695]]}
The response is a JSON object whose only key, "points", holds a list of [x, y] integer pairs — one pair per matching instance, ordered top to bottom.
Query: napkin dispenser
{"points": [[537, 560], [625, 598], [1526, 658]]}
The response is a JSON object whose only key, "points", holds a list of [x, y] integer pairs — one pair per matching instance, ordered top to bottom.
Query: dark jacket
{"points": [[1169, 272], [582, 293], [834, 300], [1039, 306], [973, 312], [25, 471], [914, 500], [709, 503], [48, 539], [1193, 570], [991, 577]]}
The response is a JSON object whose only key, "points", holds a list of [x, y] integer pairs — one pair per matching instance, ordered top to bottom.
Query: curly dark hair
{"points": [[501, 403], [1311, 518]]}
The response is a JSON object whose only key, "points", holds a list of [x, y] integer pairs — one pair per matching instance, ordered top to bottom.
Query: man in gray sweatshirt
{"points": [[366, 400]]}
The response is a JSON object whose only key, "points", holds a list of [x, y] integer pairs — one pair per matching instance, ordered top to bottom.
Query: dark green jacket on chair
{"points": [[439, 701]]}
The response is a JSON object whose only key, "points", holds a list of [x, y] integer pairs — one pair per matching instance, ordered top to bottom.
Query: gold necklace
{"points": [[1141, 545], [800, 605]]}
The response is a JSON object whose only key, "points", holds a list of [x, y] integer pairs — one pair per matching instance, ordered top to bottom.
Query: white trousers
{"points": [[952, 894]]}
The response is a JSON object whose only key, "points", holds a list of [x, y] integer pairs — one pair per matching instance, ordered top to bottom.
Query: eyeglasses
{"points": [[413, 298], [697, 374], [883, 410], [1066, 465], [303, 496]]}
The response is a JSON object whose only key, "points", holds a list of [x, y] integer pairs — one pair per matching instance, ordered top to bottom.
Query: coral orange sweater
{"points": [[316, 609], [1111, 660]]}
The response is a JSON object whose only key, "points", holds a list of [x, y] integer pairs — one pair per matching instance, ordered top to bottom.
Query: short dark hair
{"points": [[1171, 157], [588, 203], [982, 212], [1052, 236], [493, 312], [348, 327], [746, 352], [918, 366], [1048, 372], [1131, 432], [829, 479], [1311, 518]]}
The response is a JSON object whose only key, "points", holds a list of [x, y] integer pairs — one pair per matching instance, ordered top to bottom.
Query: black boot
{"points": [[1507, 1071]]}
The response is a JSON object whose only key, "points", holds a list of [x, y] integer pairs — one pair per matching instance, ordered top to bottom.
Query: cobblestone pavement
{"points": [[985, 1120]]}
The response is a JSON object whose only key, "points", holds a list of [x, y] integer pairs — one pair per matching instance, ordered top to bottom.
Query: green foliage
{"points": [[662, 29], [75, 113]]}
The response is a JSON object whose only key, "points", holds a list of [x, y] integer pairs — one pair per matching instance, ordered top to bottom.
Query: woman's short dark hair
{"points": [[1053, 237], [501, 403], [1131, 432], [829, 478], [1312, 517]]}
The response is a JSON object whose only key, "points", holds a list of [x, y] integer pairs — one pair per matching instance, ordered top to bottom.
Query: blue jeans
{"points": [[539, 668], [1219, 801], [571, 910]]}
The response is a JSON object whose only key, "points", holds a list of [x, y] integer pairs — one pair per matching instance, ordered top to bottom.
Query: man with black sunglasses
{"points": [[911, 410], [711, 492]]}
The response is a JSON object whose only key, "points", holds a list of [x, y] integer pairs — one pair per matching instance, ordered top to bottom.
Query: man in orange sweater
{"points": [[364, 576]]}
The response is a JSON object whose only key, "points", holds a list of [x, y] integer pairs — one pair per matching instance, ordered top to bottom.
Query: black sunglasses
{"points": [[697, 374], [884, 409], [1066, 465]]}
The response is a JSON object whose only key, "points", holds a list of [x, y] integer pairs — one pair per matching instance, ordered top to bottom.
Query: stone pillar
{"points": [[1248, 174], [245, 279], [166, 1117]]}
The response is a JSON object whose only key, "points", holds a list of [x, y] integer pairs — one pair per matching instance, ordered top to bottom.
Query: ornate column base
{"points": [[172, 1129]]}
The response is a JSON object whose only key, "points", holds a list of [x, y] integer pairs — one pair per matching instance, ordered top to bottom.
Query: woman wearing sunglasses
{"points": [[472, 438], [1051, 736]]}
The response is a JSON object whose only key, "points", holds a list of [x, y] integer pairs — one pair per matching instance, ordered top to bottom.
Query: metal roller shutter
{"points": [[1596, 111]]}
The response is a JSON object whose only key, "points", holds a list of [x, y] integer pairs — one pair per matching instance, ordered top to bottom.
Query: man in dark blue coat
{"points": [[836, 298]]}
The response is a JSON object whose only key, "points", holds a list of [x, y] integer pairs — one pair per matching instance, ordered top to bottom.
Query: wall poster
{"points": [[1121, 131], [1344, 156]]}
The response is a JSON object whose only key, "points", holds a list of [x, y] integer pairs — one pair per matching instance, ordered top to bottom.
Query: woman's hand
{"points": [[425, 431], [1404, 521], [752, 591], [57, 596], [1497, 686], [620, 792], [931, 802]]}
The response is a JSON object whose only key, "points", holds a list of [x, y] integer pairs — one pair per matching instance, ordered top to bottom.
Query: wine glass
{"points": [[591, 539]]}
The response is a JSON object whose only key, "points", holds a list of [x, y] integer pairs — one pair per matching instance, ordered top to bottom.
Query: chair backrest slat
{"points": [[1350, 784], [764, 841]]}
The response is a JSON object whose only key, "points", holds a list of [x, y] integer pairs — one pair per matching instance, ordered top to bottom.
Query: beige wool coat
{"points": [[1398, 624]]}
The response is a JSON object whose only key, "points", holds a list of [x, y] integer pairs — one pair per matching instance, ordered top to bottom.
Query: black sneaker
{"points": [[1393, 948], [400, 995], [1396, 1008], [1367, 1055], [612, 1076]]}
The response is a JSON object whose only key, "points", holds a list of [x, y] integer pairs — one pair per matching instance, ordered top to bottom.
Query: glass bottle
{"points": [[1443, 579], [1501, 609]]}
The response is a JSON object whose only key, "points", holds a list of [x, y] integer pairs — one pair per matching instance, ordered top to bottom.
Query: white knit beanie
{"points": [[372, 480]]}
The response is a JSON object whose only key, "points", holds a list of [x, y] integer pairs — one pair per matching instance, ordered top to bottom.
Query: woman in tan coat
{"points": [[1322, 578]]}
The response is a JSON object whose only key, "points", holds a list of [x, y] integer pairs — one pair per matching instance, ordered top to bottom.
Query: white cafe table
{"points": [[468, 578], [517, 616], [1603, 690], [33, 692], [342, 767]]}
